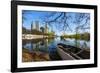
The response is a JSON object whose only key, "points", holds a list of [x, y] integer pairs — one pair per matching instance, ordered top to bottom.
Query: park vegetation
{"points": [[82, 36]]}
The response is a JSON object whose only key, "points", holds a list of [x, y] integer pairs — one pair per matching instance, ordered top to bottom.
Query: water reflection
{"points": [[37, 45], [49, 45]]}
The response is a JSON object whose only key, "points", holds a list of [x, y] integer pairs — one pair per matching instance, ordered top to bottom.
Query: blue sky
{"points": [[32, 16]]}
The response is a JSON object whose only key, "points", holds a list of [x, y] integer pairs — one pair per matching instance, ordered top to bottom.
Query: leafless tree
{"points": [[80, 20]]}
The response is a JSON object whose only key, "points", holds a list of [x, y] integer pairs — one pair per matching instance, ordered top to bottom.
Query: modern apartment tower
{"points": [[35, 25], [46, 28]]}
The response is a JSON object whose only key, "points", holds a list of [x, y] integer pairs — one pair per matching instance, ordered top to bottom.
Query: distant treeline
{"points": [[25, 31], [83, 36]]}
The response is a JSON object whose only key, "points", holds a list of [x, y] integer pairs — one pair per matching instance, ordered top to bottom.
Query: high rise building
{"points": [[32, 25], [37, 25], [46, 28]]}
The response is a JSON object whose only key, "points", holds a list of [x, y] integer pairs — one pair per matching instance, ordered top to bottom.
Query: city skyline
{"points": [[30, 16], [36, 26]]}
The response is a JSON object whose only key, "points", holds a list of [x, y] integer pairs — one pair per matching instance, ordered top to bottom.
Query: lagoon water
{"points": [[49, 45]]}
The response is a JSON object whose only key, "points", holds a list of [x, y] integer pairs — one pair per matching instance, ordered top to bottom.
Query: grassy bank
{"points": [[28, 56]]}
